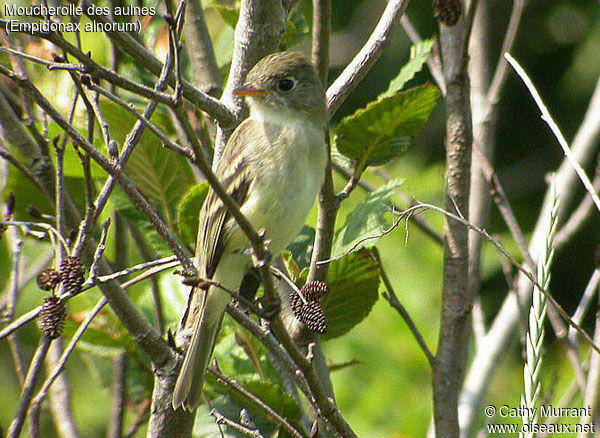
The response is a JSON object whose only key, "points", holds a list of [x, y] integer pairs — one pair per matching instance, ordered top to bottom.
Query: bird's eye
{"points": [[286, 84]]}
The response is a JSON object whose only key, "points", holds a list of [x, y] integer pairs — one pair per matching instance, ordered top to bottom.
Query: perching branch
{"points": [[451, 355]]}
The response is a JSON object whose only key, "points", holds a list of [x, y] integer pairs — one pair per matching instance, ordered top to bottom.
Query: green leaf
{"points": [[229, 15], [296, 29], [224, 46], [418, 56], [383, 129], [162, 175], [123, 205], [188, 212], [368, 219], [302, 246], [292, 268], [353, 282], [105, 336], [273, 395]]}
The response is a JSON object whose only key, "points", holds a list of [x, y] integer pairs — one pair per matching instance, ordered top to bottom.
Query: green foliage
{"points": [[229, 14], [297, 30], [418, 56], [382, 130], [121, 203], [188, 212], [368, 219], [302, 246], [292, 268], [353, 284], [103, 339], [272, 394]]}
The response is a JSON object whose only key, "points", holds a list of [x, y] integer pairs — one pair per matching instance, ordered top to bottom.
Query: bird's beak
{"points": [[249, 90]]}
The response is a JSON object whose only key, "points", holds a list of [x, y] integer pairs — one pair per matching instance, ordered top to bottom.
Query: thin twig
{"points": [[128, 44], [433, 62], [356, 70], [501, 73], [129, 107], [555, 129], [130, 189], [578, 218], [417, 220], [51, 231], [155, 267], [590, 291], [392, 298], [11, 302], [119, 368], [58, 369], [32, 373], [268, 411], [221, 419]]}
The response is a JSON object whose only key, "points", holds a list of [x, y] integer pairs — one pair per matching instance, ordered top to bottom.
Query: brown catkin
{"points": [[447, 11], [71, 274], [48, 279], [310, 312], [52, 317]]}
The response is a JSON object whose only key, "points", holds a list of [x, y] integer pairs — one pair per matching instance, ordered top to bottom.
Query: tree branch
{"points": [[366, 57], [454, 334]]}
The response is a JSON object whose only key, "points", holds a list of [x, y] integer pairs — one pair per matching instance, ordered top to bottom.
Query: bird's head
{"points": [[285, 85]]}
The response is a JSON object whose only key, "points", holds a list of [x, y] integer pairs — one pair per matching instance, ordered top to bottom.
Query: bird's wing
{"points": [[233, 174]]}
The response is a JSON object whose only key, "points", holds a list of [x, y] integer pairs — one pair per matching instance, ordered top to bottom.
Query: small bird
{"points": [[273, 166]]}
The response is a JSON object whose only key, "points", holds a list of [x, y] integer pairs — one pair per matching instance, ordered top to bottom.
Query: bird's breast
{"points": [[283, 194]]}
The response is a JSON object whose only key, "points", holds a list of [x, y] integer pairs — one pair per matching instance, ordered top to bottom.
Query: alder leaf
{"points": [[418, 56], [383, 130], [188, 212], [368, 219], [353, 283]]}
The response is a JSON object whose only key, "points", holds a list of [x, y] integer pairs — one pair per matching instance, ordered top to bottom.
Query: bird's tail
{"points": [[188, 387]]}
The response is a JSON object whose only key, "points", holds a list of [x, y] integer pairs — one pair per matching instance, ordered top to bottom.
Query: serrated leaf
{"points": [[418, 56], [383, 129], [188, 212], [368, 219], [353, 283]]}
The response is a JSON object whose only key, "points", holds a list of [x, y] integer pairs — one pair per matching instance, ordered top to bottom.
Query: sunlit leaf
{"points": [[418, 57], [382, 130], [188, 212], [368, 219], [353, 283]]}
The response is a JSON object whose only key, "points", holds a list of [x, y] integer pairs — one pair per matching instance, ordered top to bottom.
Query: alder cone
{"points": [[447, 11], [71, 273], [48, 279], [310, 313], [52, 317]]}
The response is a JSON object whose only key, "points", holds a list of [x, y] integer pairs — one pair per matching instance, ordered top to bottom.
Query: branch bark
{"points": [[258, 32], [366, 57], [454, 334]]}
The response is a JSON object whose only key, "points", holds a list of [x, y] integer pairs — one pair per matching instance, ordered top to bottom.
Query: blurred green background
{"points": [[389, 393]]}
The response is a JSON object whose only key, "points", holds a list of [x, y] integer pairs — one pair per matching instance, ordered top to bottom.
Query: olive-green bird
{"points": [[273, 166]]}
